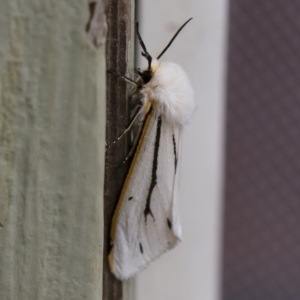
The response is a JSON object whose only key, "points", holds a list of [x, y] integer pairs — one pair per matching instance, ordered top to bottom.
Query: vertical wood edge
{"points": [[120, 58]]}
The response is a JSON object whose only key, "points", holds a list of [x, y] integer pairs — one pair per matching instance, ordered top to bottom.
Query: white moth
{"points": [[146, 220]]}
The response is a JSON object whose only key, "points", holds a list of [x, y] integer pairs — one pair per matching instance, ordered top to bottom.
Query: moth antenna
{"points": [[173, 38], [145, 53]]}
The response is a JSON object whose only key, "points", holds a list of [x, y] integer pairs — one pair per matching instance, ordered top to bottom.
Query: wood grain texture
{"points": [[120, 58], [52, 136]]}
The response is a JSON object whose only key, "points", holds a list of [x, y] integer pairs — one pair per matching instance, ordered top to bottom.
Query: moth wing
{"points": [[168, 176], [146, 223]]}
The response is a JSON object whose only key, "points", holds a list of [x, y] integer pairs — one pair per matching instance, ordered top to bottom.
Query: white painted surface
{"points": [[192, 270]]}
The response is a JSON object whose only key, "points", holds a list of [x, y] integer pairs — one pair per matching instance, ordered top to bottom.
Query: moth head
{"points": [[153, 64], [146, 75]]}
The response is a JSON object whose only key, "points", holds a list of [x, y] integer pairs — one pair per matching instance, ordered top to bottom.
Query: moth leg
{"points": [[125, 78], [141, 107], [134, 143]]}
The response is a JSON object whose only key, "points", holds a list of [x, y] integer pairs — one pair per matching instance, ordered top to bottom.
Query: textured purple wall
{"points": [[262, 180]]}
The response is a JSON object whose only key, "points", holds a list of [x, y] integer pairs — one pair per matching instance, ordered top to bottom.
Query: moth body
{"points": [[171, 93]]}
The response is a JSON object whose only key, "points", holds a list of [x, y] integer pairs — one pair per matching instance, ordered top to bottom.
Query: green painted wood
{"points": [[52, 138]]}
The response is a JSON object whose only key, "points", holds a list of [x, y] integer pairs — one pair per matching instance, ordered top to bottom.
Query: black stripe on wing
{"points": [[175, 152], [153, 182]]}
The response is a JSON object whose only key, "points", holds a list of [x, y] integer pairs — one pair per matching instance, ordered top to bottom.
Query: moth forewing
{"points": [[143, 226]]}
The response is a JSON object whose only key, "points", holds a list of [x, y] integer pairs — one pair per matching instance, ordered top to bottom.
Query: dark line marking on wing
{"points": [[175, 153], [153, 182], [130, 198], [169, 223], [141, 248]]}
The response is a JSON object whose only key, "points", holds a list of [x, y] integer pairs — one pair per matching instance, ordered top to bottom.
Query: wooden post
{"points": [[120, 58], [52, 141]]}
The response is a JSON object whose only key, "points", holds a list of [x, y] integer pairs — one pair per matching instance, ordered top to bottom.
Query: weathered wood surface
{"points": [[120, 58], [52, 137]]}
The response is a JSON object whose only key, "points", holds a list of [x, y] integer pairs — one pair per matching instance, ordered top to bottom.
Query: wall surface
{"points": [[52, 136], [261, 257], [192, 270]]}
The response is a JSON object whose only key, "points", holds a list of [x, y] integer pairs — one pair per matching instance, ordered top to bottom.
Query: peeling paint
{"points": [[96, 27]]}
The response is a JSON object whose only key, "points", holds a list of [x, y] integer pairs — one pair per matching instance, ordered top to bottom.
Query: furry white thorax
{"points": [[171, 91]]}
